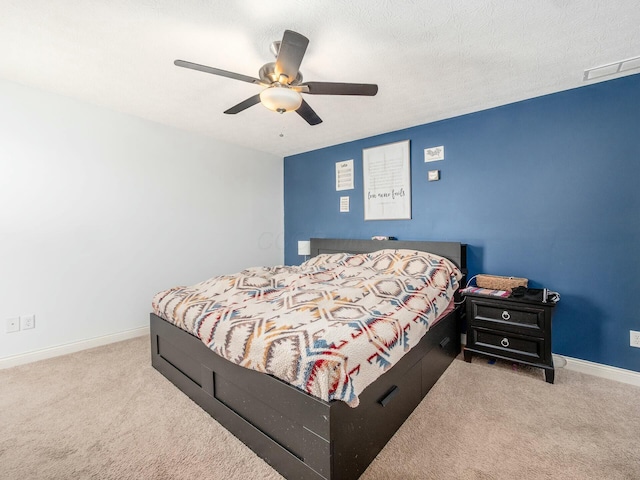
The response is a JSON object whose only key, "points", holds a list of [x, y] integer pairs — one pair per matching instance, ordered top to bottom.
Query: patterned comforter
{"points": [[330, 326]]}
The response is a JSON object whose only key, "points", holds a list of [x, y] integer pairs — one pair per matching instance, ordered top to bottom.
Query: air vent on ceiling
{"points": [[611, 68]]}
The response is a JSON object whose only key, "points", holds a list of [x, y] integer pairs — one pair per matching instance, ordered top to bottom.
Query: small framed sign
{"points": [[433, 154], [344, 175]]}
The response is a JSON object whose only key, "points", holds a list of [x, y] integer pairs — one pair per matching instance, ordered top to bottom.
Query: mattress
{"points": [[329, 327]]}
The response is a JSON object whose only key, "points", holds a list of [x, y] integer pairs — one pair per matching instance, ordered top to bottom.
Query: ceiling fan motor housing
{"points": [[267, 74]]}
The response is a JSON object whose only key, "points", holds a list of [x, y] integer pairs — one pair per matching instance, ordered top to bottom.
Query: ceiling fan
{"points": [[283, 81]]}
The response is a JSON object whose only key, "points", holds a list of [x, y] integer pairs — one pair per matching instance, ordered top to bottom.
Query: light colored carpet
{"points": [[106, 414]]}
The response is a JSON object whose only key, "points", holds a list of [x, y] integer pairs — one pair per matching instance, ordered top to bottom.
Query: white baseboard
{"points": [[71, 347], [599, 370]]}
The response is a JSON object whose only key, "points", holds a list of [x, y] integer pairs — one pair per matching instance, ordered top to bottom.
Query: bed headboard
{"points": [[454, 251]]}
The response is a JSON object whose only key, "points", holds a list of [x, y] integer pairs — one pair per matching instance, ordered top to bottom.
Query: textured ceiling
{"points": [[432, 59]]}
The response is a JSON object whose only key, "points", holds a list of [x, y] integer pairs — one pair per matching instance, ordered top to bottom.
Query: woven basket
{"points": [[495, 282]]}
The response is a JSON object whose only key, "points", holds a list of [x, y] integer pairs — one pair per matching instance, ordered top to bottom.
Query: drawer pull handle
{"points": [[506, 315], [444, 342], [504, 342], [389, 396]]}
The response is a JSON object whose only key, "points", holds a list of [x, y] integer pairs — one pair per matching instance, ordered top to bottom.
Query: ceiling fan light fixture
{"points": [[280, 99]]}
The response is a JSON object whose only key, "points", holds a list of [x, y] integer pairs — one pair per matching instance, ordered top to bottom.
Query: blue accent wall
{"points": [[547, 189]]}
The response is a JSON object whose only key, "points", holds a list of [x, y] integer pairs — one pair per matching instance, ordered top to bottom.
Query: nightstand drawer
{"points": [[528, 321], [516, 347]]}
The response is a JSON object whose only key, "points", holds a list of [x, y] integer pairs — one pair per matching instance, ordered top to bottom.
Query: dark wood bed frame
{"points": [[299, 435]]}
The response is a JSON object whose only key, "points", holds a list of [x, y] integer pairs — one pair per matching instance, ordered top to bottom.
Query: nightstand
{"points": [[512, 329]]}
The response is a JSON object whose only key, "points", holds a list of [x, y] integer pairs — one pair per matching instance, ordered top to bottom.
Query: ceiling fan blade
{"points": [[290, 55], [217, 71], [329, 88], [249, 102], [306, 112]]}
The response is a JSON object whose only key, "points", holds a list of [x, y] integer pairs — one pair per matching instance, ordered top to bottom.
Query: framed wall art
{"points": [[387, 182]]}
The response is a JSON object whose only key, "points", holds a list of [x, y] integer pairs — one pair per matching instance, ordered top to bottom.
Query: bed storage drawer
{"points": [[445, 346], [179, 359], [281, 428]]}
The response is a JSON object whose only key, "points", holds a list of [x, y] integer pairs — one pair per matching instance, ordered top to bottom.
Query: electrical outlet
{"points": [[27, 322], [13, 325], [634, 340]]}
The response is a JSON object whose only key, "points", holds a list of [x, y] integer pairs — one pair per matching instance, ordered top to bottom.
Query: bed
{"points": [[298, 434]]}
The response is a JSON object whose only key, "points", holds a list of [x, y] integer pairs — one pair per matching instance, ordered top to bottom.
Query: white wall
{"points": [[100, 210]]}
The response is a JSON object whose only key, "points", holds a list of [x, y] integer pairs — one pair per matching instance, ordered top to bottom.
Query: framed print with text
{"points": [[387, 182]]}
